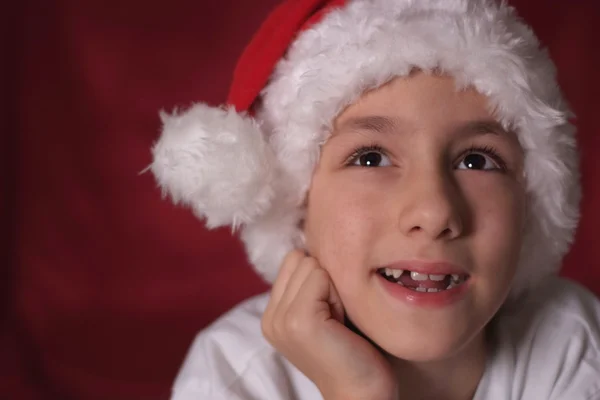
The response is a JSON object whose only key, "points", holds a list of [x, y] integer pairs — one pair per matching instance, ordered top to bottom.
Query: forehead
{"points": [[418, 102], [387, 125]]}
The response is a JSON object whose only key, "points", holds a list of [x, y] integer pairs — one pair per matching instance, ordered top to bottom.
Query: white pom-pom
{"points": [[217, 162]]}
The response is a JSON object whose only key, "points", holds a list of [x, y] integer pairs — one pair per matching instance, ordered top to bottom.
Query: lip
{"points": [[428, 267], [441, 299]]}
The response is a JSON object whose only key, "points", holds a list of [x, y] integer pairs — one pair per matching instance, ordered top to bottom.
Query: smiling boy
{"points": [[418, 156]]}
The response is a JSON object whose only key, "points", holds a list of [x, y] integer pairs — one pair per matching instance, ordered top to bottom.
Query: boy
{"points": [[419, 155]]}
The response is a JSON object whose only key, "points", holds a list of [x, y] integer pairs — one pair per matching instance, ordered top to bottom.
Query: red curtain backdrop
{"points": [[103, 284]]}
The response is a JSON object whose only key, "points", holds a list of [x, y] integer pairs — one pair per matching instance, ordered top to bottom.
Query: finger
{"points": [[288, 266], [296, 281], [319, 291], [319, 297], [275, 317], [298, 321]]}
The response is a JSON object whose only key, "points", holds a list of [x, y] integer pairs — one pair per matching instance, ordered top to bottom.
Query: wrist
{"points": [[366, 389]]}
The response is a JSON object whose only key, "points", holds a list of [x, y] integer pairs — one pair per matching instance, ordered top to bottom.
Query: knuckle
{"points": [[293, 257], [291, 262], [310, 262], [319, 274], [294, 325], [276, 326], [279, 332], [276, 333]]}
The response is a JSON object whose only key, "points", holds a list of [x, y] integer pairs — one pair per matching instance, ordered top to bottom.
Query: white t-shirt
{"points": [[548, 347]]}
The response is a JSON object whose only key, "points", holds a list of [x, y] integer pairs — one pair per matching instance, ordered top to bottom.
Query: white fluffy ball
{"points": [[216, 161]]}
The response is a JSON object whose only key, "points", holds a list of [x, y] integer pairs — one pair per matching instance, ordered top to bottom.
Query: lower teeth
{"points": [[429, 290]]}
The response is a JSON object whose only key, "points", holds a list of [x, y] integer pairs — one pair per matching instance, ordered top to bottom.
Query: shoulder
{"points": [[560, 307], [548, 344], [221, 352], [230, 359]]}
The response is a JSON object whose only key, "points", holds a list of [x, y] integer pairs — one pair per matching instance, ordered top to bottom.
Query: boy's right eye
{"points": [[372, 156]]}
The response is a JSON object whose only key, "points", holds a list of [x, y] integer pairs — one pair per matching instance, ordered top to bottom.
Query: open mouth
{"points": [[419, 282]]}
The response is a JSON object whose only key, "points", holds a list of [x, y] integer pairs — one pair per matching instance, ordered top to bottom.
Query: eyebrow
{"points": [[374, 123], [386, 125], [482, 127]]}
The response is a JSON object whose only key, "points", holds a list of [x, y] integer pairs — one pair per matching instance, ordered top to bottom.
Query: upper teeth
{"points": [[394, 272], [417, 276], [437, 277]]}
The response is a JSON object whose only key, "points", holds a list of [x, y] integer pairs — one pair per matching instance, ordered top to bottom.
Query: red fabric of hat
{"points": [[270, 43]]}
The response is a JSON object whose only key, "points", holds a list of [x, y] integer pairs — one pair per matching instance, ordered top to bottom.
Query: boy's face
{"points": [[418, 177]]}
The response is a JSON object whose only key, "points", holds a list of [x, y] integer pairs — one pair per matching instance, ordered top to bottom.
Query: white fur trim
{"points": [[479, 43], [216, 161], [270, 239]]}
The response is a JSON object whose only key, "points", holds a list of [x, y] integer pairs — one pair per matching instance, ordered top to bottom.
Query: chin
{"points": [[425, 345], [420, 354]]}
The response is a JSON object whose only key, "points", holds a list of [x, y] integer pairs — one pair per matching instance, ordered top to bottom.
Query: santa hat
{"points": [[249, 163]]}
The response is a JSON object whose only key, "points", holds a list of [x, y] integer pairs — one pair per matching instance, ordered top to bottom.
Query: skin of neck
{"points": [[454, 378]]}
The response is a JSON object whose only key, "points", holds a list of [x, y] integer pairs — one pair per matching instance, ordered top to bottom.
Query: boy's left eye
{"points": [[478, 160]]}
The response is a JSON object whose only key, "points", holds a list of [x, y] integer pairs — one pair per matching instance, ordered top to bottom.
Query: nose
{"points": [[433, 207]]}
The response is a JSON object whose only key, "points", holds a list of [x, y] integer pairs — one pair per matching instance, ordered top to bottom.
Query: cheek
{"points": [[497, 207], [341, 223]]}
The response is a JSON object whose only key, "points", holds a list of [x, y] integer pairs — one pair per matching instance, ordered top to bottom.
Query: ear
{"points": [[216, 161]]}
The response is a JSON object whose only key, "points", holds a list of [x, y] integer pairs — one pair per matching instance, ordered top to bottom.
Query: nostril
{"points": [[446, 232]]}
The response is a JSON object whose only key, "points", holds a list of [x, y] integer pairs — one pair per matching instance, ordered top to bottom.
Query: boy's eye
{"points": [[370, 158], [483, 159], [478, 161]]}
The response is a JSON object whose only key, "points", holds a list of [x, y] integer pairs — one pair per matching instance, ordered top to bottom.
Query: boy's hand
{"points": [[304, 321]]}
